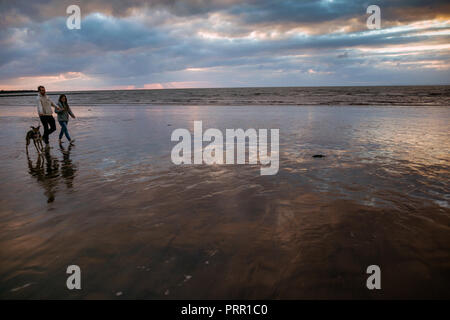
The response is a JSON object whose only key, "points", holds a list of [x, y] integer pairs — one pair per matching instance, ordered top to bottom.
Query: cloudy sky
{"points": [[222, 43]]}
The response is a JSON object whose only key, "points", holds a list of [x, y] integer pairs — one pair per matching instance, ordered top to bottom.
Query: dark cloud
{"points": [[251, 11], [122, 45]]}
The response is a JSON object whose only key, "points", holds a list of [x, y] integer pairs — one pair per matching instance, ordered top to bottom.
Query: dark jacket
{"points": [[63, 115]]}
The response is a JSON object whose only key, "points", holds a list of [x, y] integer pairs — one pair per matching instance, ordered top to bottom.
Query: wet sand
{"points": [[115, 205]]}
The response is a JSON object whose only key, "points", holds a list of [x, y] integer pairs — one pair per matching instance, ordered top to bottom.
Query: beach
{"points": [[141, 227]]}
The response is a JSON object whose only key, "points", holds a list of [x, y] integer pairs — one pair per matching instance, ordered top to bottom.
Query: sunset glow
{"points": [[153, 45]]}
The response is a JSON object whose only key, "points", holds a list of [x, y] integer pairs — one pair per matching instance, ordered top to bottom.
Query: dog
{"points": [[35, 135]]}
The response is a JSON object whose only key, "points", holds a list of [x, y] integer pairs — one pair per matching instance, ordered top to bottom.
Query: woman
{"points": [[63, 112]]}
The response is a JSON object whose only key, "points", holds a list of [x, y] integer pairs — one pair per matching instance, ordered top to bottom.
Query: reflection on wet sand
{"points": [[68, 169], [48, 170], [139, 225]]}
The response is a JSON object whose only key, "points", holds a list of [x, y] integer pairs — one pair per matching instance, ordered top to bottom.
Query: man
{"points": [[44, 108]]}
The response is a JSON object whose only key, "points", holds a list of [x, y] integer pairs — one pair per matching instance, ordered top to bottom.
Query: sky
{"points": [[133, 44]]}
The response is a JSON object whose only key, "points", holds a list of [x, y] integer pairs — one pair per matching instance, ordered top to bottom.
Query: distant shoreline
{"points": [[16, 91], [28, 92], [11, 93]]}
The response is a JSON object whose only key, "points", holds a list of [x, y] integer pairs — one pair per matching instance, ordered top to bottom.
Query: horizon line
{"points": [[243, 87]]}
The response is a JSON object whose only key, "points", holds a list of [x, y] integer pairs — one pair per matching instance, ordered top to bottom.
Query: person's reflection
{"points": [[68, 169], [47, 171]]}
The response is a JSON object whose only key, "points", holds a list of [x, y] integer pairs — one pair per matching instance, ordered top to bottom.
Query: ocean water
{"points": [[391, 96], [138, 225]]}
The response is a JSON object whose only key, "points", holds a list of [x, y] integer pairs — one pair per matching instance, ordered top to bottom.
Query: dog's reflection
{"points": [[49, 171]]}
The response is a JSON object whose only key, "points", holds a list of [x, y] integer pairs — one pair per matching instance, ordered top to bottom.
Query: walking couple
{"points": [[44, 108]]}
